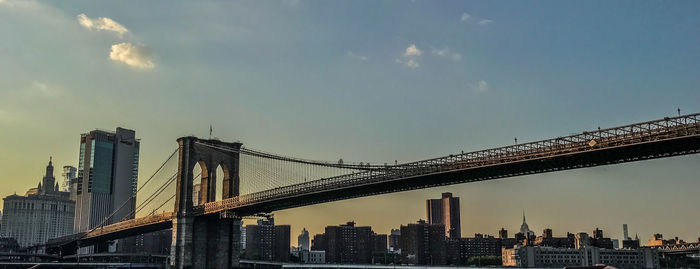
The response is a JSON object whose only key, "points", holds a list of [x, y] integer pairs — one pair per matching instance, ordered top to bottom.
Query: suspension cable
{"points": [[292, 159], [157, 170], [158, 192], [155, 194], [161, 205], [104, 221]]}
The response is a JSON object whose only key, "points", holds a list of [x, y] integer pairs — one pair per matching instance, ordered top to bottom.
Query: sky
{"points": [[366, 81]]}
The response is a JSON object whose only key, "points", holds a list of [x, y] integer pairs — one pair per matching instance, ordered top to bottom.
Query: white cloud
{"points": [[22, 4], [465, 17], [485, 22], [102, 23], [412, 51], [442, 52], [447, 54], [136, 56], [356, 56], [410, 57], [411, 63], [40, 85], [481, 86], [44, 90]]}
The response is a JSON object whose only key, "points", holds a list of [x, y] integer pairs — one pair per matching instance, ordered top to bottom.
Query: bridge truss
{"points": [[608, 146], [272, 182]]}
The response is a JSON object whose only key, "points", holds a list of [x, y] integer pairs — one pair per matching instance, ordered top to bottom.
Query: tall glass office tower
{"points": [[107, 178]]}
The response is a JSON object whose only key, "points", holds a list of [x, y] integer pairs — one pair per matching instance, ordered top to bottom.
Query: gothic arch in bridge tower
{"points": [[209, 155], [221, 178], [197, 182]]}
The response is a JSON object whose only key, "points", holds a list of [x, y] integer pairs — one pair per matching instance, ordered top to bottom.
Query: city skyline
{"points": [[379, 96], [512, 228]]}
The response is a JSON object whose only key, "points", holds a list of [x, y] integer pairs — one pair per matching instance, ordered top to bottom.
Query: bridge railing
{"points": [[667, 128], [622, 133], [587, 141], [132, 223], [693, 246]]}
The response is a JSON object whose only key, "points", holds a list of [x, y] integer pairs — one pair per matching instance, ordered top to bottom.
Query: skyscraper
{"points": [[68, 177], [107, 178], [70, 181], [445, 211], [524, 228], [625, 234], [303, 240]]}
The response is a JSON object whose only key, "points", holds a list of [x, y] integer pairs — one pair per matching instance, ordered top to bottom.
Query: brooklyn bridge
{"points": [[205, 229]]}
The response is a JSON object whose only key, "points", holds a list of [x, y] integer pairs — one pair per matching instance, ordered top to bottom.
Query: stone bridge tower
{"points": [[205, 241]]}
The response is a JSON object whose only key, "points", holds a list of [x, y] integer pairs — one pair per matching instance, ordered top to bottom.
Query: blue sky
{"points": [[367, 81]]}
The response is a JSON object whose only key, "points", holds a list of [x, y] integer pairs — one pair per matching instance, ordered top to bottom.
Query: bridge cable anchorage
{"points": [[133, 197]]}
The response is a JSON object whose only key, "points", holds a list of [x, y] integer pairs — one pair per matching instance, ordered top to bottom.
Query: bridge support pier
{"points": [[206, 242], [182, 244]]}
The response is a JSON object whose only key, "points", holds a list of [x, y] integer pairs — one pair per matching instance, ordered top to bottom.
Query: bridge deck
{"points": [[646, 134], [646, 140], [680, 248]]}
